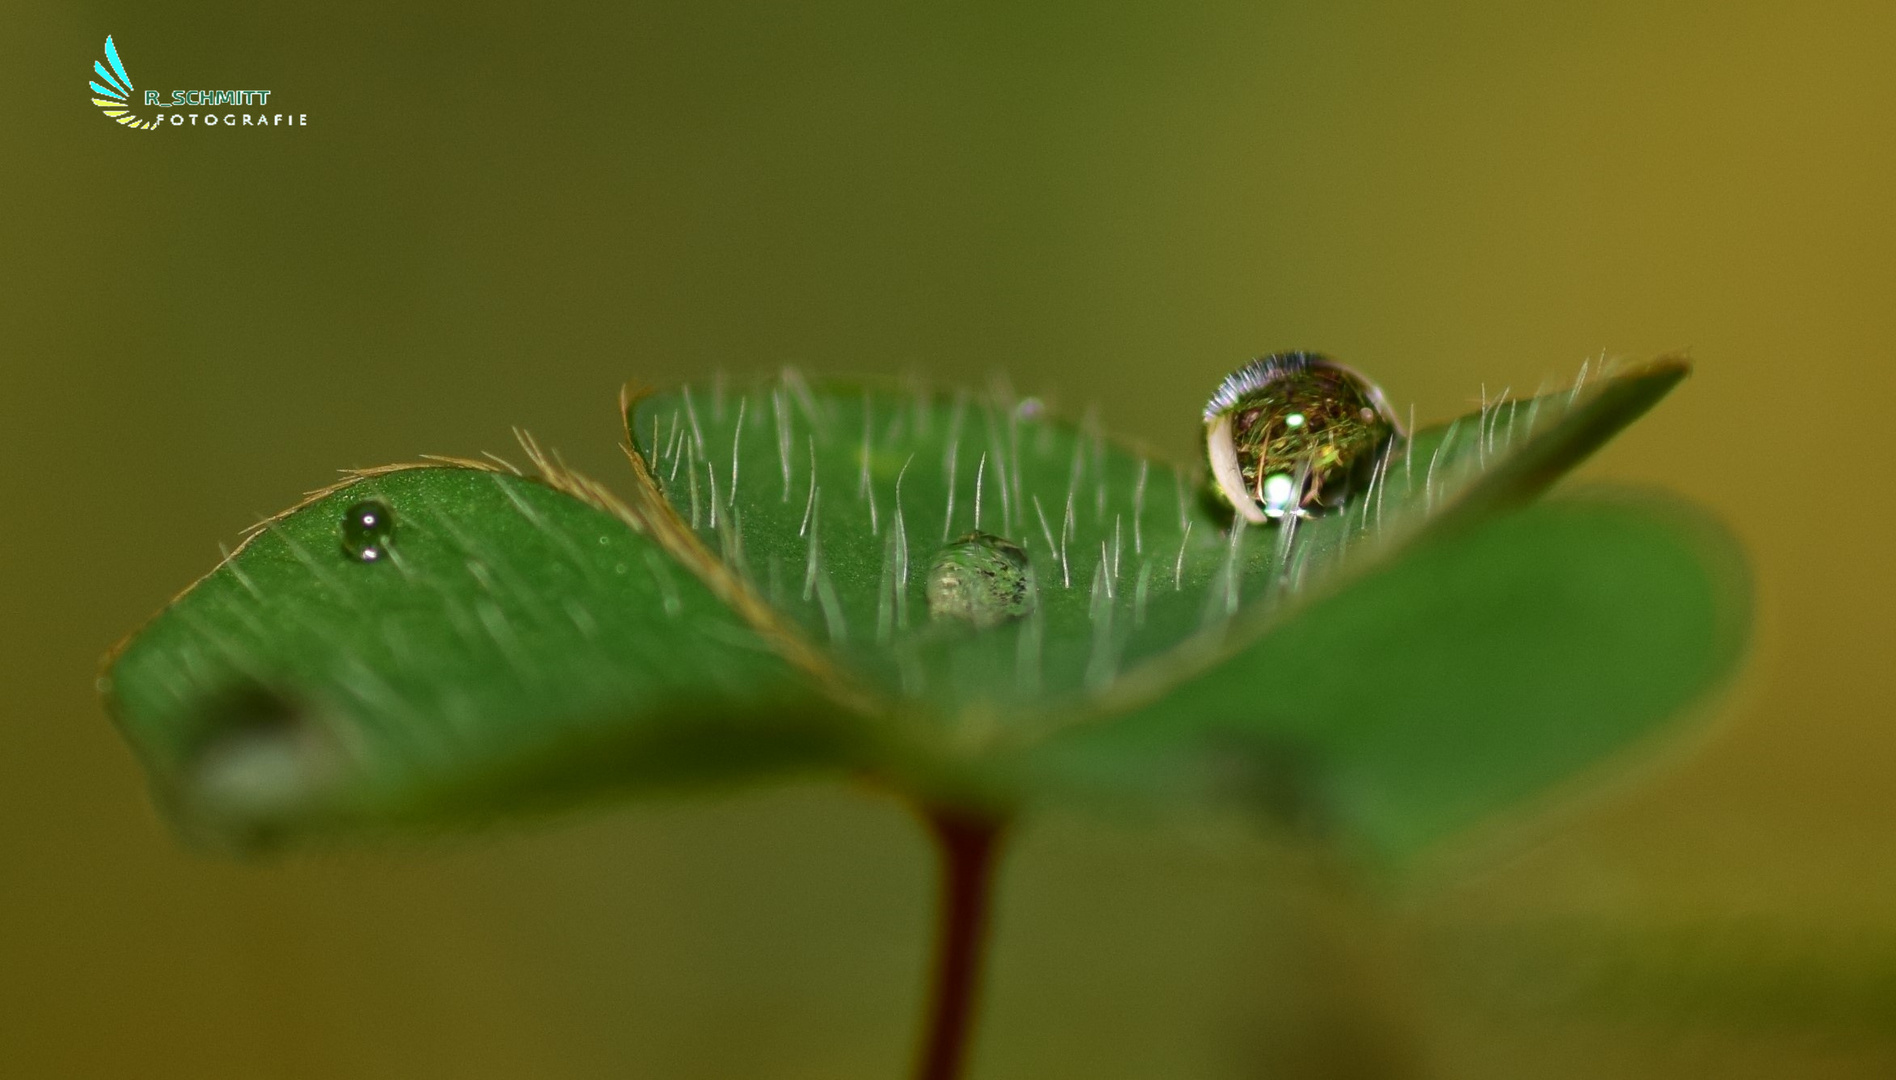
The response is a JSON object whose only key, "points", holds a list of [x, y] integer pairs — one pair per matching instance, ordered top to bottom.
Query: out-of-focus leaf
{"points": [[516, 643], [1471, 671], [1819, 982]]}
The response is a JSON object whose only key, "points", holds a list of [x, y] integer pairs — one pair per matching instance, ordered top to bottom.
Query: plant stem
{"points": [[968, 845]]}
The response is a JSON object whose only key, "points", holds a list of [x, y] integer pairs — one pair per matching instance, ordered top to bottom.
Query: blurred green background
{"points": [[497, 213]]}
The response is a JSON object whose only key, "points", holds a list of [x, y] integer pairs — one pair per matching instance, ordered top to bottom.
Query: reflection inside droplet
{"points": [[1279, 490], [368, 527]]}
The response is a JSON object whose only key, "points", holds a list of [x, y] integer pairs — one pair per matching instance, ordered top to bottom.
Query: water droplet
{"points": [[1292, 415], [368, 528], [982, 579]]}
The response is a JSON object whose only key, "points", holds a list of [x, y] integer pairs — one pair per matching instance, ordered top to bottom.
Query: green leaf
{"points": [[830, 502], [759, 603], [518, 643], [1469, 673]]}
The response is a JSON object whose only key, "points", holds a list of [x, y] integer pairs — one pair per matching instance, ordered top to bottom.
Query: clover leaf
{"points": [[955, 596]]}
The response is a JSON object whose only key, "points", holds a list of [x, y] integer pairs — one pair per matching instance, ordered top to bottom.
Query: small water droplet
{"points": [[1292, 415], [368, 528], [982, 579]]}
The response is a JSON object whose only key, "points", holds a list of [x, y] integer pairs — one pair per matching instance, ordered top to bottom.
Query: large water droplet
{"points": [[1294, 415], [368, 528], [982, 579]]}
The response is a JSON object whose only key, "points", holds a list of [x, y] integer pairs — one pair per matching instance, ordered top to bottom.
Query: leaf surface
{"points": [[832, 501], [759, 603], [518, 644], [1471, 672]]}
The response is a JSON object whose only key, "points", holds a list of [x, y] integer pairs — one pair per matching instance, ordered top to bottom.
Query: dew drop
{"points": [[1293, 415], [368, 528], [981, 579]]}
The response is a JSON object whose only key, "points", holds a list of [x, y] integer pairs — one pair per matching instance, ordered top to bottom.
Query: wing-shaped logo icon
{"points": [[112, 90]]}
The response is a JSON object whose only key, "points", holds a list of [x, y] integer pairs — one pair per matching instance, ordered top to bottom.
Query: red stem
{"points": [[968, 845]]}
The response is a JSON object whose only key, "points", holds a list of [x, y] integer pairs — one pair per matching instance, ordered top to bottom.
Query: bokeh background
{"points": [[499, 212]]}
